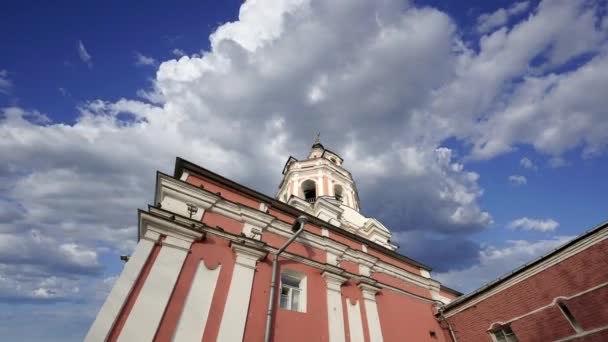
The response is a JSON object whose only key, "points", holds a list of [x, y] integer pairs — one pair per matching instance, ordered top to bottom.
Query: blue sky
{"points": [[476, 131]]}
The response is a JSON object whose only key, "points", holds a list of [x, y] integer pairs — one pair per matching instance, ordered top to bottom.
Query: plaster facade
{"points": [[203, 274]]}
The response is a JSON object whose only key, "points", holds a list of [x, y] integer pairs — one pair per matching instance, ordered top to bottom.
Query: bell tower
{"points": [[320, 175], [321, 186]]}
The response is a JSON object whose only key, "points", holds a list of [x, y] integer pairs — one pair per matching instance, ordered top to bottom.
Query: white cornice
{"points": [[148, 222], [267, 222]]}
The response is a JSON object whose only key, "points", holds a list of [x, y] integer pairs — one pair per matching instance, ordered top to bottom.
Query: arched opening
{"points": [[309, 189], [338, 192]]}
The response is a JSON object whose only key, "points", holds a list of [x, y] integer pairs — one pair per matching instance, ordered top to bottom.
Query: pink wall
{"points": [[226, 193], [229, 225], [404, 318], [288, 325]]}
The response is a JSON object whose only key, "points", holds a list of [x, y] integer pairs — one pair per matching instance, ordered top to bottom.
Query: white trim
{"points": [[184, 176], [267, 222], [554, 260], [323, 267], [553, 302], [334, 306], [371, 311], [146, 314], [234, 318], [193, 319], [355, 324], [101, 327], [583, 334]]}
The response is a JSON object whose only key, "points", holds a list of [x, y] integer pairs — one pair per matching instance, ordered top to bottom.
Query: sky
{"points": [[475, 130]]}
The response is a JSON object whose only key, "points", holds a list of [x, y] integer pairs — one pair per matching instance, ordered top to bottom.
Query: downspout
{"points": [[273, 282], [443, 318]]}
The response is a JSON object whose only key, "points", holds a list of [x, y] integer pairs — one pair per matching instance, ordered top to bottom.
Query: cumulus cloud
{"points": [[489, 21], [178, 52], [84, 55], [144, 60], [5, 83], [387, 90], [526, 163], [517, 180], [525, 223], [494, 261]]}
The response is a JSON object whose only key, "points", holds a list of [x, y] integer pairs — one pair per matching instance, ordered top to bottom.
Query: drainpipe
{"points": [[297, 229], [443, 318]]}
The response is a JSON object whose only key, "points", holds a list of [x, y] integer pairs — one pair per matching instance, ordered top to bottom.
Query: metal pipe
{"points": [[273, 281], [443, 318]]}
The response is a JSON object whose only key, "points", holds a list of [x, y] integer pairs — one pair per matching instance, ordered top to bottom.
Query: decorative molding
{"points": [[151, 223], [261, 245], [334, 306], [371, 311], [146, 314], [193, 318], [355, 323], [232, 326], [101, 327]]}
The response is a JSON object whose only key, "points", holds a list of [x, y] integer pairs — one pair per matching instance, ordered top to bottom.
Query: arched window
{"points": [[309, 189], [338, 192]]}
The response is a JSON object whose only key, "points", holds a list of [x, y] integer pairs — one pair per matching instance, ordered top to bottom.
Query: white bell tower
{"points": [[319, 175], [320, 186]]}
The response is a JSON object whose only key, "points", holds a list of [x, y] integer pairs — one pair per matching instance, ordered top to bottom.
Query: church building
{"points": [[203, 266]]}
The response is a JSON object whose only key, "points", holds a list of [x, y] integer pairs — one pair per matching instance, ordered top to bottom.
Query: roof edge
{"points": [[182, 164], [496, 282]]}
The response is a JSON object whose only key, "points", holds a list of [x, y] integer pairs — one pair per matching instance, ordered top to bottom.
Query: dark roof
{"points": [[182, 164], [524, 267]]}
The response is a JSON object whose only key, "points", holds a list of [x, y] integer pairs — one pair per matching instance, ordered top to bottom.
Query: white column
{"points": [[334, 306], [371, 311], [108, 313], [144, 318], [193, 318], [234, 318], [355, 324]]}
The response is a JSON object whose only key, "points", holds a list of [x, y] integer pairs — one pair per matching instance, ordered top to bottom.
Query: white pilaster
{"points": [[150, 305], [334, 306], [371, 311], [108, 313], [193, 318], [234, 318], [355, 324]]}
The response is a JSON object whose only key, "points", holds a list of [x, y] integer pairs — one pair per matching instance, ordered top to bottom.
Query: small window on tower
{"points": [[293, 291]]}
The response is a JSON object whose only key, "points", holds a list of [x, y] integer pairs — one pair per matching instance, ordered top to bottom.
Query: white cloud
{"points": [[489, 21], [178, 52], [84, 55], [144, 60], [5, 83], [386, 90], [526, 163], [517, 180], [547, 225], [496, 261]]}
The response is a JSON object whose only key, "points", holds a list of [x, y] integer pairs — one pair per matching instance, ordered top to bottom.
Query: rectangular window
{"points": [[292, 291], [505, 334]]}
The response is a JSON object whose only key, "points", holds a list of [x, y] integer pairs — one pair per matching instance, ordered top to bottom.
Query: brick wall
{"points": [[534, 298]]}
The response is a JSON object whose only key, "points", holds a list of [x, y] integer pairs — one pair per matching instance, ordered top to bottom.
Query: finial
{"points": [[318, 138]]}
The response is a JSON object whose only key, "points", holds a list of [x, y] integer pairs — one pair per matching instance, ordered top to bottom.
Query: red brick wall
{"points": [[579, 273]]}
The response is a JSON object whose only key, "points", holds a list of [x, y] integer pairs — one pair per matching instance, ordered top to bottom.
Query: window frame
{"points": [[301, 290], [506, 337]]}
